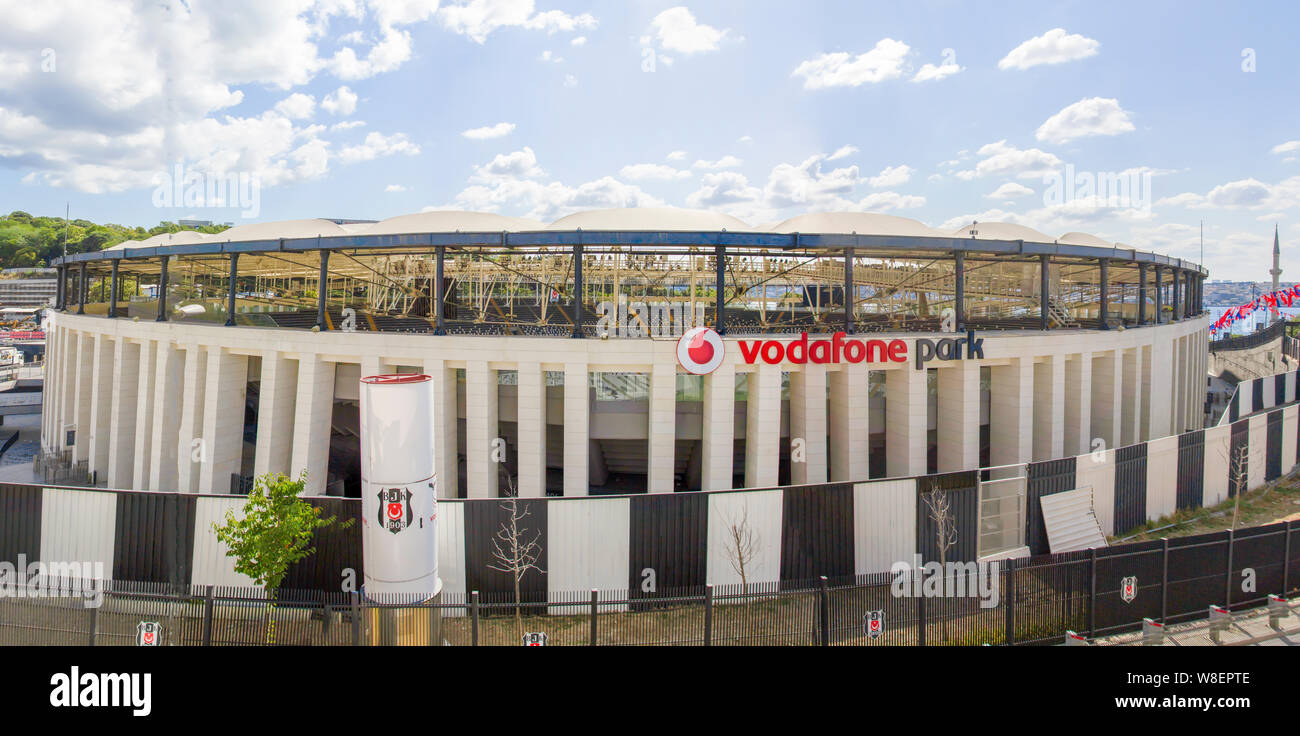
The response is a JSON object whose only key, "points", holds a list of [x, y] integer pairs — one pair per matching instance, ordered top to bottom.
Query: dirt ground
{"points": [[1274, 502]]}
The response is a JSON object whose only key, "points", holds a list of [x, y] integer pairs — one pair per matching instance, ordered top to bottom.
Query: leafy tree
{"points": [[275, 532]]}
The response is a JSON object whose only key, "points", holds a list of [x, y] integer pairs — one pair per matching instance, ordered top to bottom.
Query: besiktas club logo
{"points": [[700, 351], [395, 510]]}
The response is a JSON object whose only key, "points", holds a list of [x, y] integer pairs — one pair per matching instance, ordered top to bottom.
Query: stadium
{"points": [[836, 347]]}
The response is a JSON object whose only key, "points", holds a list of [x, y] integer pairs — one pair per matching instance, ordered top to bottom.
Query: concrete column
{"points": [[169, 381], [84, 384], [1178, 386], [1157, 390], [68, 393], [276, 397], [1106, 397], [1078, 404], [101, 405], [1130, 407], [1049, 408], [1011, 412], [313, 414], [144, 415], [847, 416], [959, 416], [531, 417], [223, 419], [577, 422], [905, 422], [808, 423], [762, 427], [121, 443], [718, 443], [481, 447], [189, 450], [661, 458], [446, 461]]}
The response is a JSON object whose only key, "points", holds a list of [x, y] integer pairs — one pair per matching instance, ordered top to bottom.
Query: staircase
{"points": [[1058, 313], [1070, 521]]}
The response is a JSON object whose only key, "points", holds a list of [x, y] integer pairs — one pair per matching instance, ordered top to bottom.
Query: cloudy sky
{"points": [[939, 111]]}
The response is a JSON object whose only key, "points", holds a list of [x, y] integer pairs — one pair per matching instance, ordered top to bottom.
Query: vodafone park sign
{"points": [[701, 350]]}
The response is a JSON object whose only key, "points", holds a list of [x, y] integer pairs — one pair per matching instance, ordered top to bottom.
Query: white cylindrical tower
{"points": [[399, 537]]}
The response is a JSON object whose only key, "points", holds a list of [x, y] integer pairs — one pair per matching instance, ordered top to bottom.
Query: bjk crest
{"points": [[395, 512], [1128, 588], [873, 624], [147, 633], [534, 639]]}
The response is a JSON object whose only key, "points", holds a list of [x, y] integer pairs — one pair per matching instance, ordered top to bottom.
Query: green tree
{"points": [[275, 532]]}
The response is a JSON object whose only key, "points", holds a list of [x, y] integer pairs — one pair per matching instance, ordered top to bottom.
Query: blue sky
{"points": [[939, 111]]}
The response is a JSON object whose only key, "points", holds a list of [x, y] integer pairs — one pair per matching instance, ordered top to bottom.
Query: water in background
{"points": [[1250, 324]]}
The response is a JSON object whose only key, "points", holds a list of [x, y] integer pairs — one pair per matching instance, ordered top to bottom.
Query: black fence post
{"points": [[1286, 559], [1009, 574], [1227, 576], [1164, 580], [1092, 592], [595, 598], [824, 598], [473, 612], [708, 615], [207, 616], [356, 618], [920, 620], [94, 624]]}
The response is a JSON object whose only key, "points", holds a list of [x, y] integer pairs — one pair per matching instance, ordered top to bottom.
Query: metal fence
{"points": [[1032, 600]]}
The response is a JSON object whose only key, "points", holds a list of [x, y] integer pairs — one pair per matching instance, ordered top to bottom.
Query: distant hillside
{"points": [[26, 240], [1232, 293]]}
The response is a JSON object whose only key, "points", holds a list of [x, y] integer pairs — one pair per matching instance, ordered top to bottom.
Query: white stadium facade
{"points": [[618, 351]]}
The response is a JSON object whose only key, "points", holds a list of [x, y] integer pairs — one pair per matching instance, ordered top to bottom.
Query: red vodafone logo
{"points": [[700, 351]]}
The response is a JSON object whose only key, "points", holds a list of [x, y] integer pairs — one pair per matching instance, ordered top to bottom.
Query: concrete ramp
{"points": [[1070, 521]]}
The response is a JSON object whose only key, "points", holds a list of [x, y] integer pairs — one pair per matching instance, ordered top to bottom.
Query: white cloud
{"points": [[477, 19], [677, 30], [579, 41], [1053, 47], [547, 56], [884, 61], [932, 73], [342, 101], [296, 106], [1087, 117], [346, 125], [489, 131], [745, 139], [377, 145], [1287, 147], [842, 152], [677, 156], [1000, 159], [726, 162], [521, 164], [636, 172], [891, 176], [514, 182], [394, 188], [721, 189], [1010, 190]]}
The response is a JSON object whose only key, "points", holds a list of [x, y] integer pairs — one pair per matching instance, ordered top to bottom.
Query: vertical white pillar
{"points": [[126, 358], [169, 381], [84, 385], [68, 393], [276, 397], [1106, 398], [1078, 404], [101, 405], [1049, 408], [1130, 408], [1011, 412], [144, 415], [313, 415], [959, 416], [531, 417], [223, 419], [848, 419], [906, 420], [808, 423], [1160, 424], [763, 427], [577, 435], [718, 442], [481, 447], [190, 450], [445, 457], [661, 457]]}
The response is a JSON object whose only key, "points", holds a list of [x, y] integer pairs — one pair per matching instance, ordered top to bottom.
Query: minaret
{"points": [[1277, 268]]}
